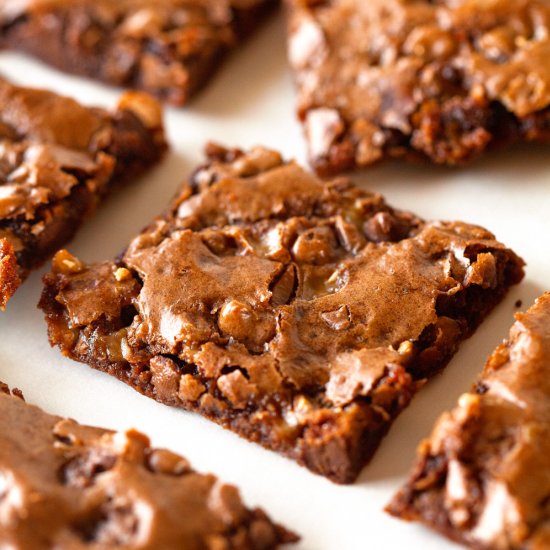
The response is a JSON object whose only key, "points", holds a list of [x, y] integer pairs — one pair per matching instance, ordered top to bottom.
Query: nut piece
{"points": [[146, 108], [315, 246], [65, 262], [122, 274], [339, 319], [239, 321], [190, 388], [237, 388], [166, 462]]}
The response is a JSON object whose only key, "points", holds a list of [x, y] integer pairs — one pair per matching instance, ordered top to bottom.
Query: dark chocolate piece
{"points": [[441, 80], [57, 160], [303, 315], [483, 476]]}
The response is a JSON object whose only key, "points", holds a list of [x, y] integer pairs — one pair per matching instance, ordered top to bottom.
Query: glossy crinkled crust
{"points": [[168, 48], [440, 80], [57, 160], [301, 314], [483, 476], [72, 487]]}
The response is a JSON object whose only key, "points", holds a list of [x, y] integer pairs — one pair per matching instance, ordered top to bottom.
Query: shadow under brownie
{"points": [[168, 48], [442, 81], [57, 160], [302, 315], [483, 476], [68, 486]]}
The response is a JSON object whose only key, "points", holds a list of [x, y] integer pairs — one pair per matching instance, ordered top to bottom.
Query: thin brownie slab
{"points": [[166, 47], [436, 80], [57, 160], [302, 315], [483, 476], [68, 486]]}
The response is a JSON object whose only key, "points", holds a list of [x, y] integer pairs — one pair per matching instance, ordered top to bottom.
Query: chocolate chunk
{"points": [[168, 48], [439, 81], [57, 160], [298, 313], [483, 476], [64, 485]]}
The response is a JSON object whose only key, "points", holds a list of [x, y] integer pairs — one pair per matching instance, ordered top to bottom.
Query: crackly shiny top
{"points": [[372, 65], [49, 144], [266, 278], [496, 445], [72, 487]]}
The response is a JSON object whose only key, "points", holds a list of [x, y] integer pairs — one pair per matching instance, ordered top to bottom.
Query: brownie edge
{"points": [[301, 314], [482, 478]]}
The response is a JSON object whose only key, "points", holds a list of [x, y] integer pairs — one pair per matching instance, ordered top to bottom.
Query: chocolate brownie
{"points": [[166, 47], [436, 80], [57, 159], [302, 315], [483, 476], [69, 486]]}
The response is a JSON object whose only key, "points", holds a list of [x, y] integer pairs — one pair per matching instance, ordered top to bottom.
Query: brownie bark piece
{"points": [[166, 47], [441, 81], [57, 160], [303, 315], [483, 476], [65, 485]]}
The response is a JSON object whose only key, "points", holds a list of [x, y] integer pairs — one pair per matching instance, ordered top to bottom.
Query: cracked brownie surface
{"points": [[166, 47], [435, 80], [57, 159], [303, 315], [483, 476], [71, 487]]}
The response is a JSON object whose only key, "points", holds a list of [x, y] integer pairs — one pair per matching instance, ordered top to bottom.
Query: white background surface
{"points": [[251, 101]]}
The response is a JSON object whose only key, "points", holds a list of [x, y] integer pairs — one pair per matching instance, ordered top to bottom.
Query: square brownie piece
{"points": [[168, 48], [439, 80], [57, 160], [301, 314], [483, 476], [72, 486]]}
